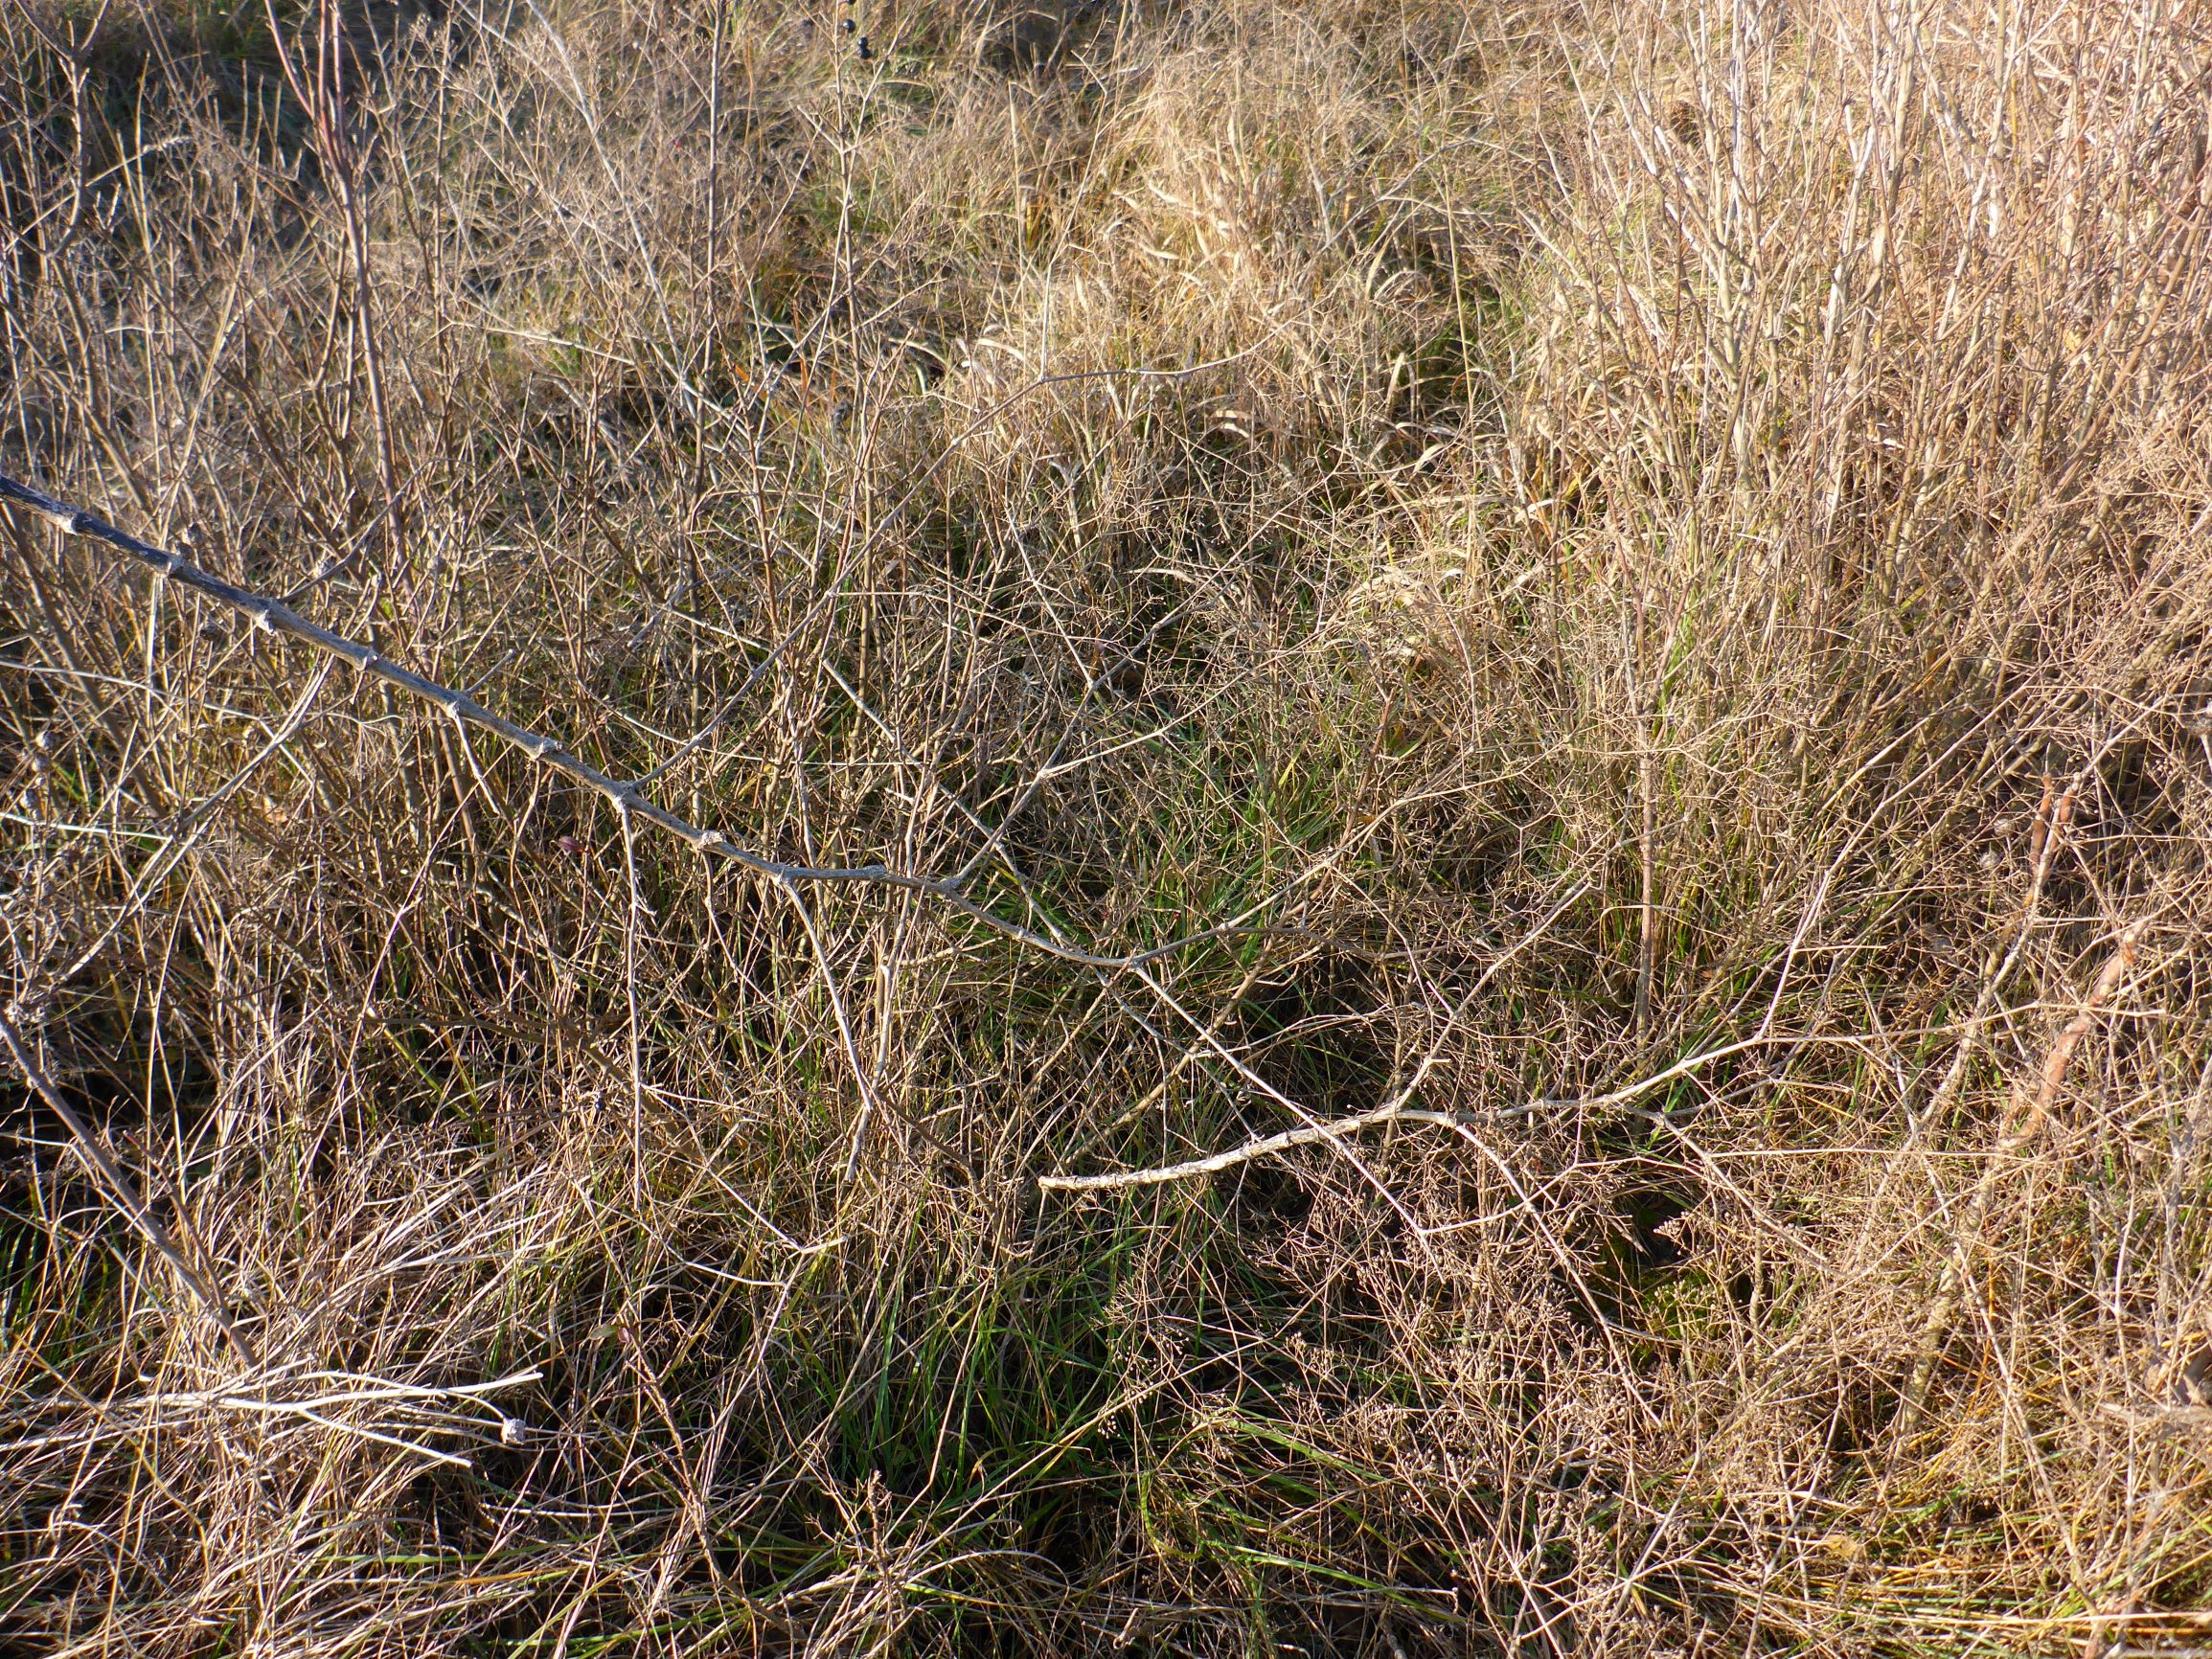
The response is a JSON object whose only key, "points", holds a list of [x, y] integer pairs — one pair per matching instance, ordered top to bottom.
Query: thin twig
{"points": [[1394, 1110], [123, 1190]]}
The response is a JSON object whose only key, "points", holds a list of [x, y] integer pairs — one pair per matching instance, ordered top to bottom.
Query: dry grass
{"points": [[1656, 563]]}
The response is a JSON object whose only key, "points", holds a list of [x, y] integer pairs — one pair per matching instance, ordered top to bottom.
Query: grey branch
{"points": [[274, 616]]}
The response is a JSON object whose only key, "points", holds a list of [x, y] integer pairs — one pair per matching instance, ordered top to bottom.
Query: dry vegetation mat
{"points": [[1232, 827]]}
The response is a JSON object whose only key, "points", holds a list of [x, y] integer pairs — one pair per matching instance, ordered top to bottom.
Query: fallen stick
{"points": [[1394, 1110]]}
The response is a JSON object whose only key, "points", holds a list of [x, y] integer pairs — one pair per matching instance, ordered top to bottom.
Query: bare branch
{"points": [[274, 616]]}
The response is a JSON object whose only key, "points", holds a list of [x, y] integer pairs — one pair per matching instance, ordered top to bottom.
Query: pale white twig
{"points": [[1393, 1110], [135, 1416]]}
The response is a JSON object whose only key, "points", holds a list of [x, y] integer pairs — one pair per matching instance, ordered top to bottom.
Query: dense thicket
{"points": [[1630, 578]]}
